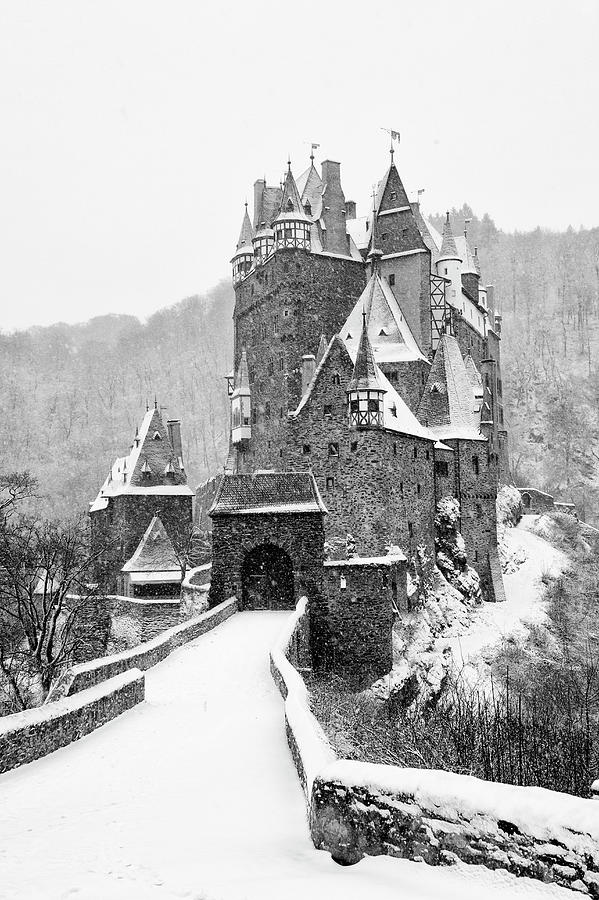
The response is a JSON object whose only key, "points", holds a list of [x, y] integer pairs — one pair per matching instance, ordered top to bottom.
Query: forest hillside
{"points": [[72, 395]]}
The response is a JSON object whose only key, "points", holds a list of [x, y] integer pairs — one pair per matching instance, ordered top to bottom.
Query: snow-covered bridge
{"points": [[193, 794]]}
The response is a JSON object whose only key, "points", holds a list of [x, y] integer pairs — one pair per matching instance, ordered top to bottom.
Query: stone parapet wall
{"points": [[146, 655], [34, 733], [357, 809]]}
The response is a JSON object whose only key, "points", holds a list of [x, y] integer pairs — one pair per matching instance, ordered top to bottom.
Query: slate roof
{"points": [[309, 186], [291, 206], [448, 249], [389, 333], [365, 374], [242, 377], [476, 379], [448, 404], [151, 449], [267, 492], [155, 551]]}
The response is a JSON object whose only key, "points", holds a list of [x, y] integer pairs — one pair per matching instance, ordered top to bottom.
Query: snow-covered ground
{"points": [[524, 604], [193, 794]]}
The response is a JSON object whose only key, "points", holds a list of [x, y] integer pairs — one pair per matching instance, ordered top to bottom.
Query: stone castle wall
{"points": [[281, 311], [301, 536], [34, 733]]}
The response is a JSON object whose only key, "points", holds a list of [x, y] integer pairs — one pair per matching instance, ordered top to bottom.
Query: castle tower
{"points": [[243, 258], [405, 258], [449, 265], [470, 272], [365, 391], [149, 481]]}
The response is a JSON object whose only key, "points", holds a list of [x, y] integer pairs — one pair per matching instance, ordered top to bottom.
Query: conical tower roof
{"points": [[309, 186], [291, 203], [247, 232], [244, 244], [448, 246], [469, 266], [365, 376]]}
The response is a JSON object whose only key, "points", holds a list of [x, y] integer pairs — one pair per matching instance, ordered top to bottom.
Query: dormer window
{"points": [[393, 195], [290, 205], [308, 208], [382, 333], [394, 411], [156, 436]]}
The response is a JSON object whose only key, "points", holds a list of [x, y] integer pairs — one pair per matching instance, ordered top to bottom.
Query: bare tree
{"points": [[51, 612]]}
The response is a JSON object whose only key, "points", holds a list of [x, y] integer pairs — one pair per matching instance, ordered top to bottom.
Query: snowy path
{"points": [[524, 605], [193, 795]]}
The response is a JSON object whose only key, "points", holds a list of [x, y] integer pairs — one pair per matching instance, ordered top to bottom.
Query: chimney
{"points": [[259, 187], [333, 208], [350, 209], [308, 369], [174, 435]]}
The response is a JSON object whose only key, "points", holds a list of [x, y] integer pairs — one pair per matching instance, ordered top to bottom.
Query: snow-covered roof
{"points": [[358, 229], [388, 331], [448, 401], [151, 449], [267, 492], [155, 551], [390, 560], [168, 576]]}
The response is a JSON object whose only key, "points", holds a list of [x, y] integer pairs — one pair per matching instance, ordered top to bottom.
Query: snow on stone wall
{"points": [[147, 655], [34, 733], [359, 809]]}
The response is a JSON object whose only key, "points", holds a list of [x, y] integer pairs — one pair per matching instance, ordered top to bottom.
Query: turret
{"points": [[292, 224], [243, 258], [449, 265], [470, 273], [365, 392], [241, 421]]}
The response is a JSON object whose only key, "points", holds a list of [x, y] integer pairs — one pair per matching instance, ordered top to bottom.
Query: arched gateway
{"points": [[267, 540], [267, 579]]}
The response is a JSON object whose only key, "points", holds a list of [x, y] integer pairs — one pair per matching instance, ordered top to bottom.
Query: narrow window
{"points": [[385, 236], [392, 279], [275, 325], [281, 363], [271, 366], [336, 378], [328, 409], [267, 410], [280, 412], [254, 416], [353, 446], [306, 449], [333, 449], [394, 449], [415, 452], [428, 455], [475, 465], [330, 483], [418, 489], [410, 530]]}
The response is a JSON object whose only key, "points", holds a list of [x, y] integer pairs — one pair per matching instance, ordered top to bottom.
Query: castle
{"points": [[366, 387]]}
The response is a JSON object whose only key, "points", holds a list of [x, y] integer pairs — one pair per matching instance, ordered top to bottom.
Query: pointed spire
{"points": [[291, 204], [247, 232], [448, 246], [375, 253], [365, 374]]}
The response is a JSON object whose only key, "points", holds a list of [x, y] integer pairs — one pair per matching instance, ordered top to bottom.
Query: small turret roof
{"points": [[291, 203], [247, 232], [448, 245], [468, 266], [365, 375], [476, 379], [155, 551]]}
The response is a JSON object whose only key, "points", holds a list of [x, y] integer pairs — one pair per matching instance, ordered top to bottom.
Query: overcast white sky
{"points": [[132, 132]]}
